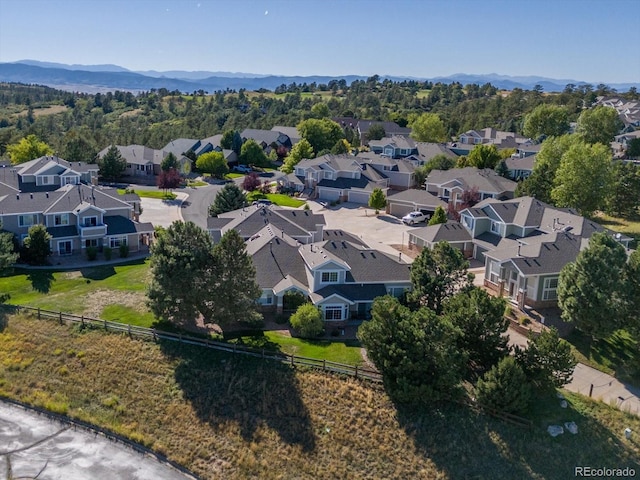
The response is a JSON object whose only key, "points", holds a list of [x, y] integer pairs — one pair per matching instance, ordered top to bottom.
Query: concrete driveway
{"points": [[162, 212], [379, 232], [31, 443]]}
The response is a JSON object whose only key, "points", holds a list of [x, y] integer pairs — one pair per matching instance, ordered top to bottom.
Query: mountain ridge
{"points": [[105, 77]]}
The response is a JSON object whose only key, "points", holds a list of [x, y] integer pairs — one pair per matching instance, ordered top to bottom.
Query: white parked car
{"points": [[414, 217]]}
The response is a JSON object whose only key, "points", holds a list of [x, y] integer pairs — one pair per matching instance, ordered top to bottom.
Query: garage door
{"points": [[328, 194], [358, 197], [399, 209]]}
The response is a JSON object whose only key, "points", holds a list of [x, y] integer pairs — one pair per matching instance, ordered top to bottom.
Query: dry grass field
{"points": [[230, 417]]}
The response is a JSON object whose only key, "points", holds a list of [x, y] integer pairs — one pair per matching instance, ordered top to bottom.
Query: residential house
{"points": [[628, 111], [361, 127], [291, 132], [267, 139], [467, 141], [397, 146], [180, 147], [426, 151], [141, 161], [520, 167], [400, 172], [340, 178], [449, 185], [401, 203], [77, 215], [301, 225], [523, 243], [338, 274]]}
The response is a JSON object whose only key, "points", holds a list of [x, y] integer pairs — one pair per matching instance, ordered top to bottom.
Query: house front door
{"points": [[513, 286]]}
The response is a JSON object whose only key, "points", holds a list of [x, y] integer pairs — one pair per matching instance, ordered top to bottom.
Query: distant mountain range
{"points": [[102, 78]]}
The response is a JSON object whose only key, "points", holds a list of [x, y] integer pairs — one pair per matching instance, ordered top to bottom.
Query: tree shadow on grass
{"points": [[98, 273], [41, 280], [250, 392], [470, 444]]}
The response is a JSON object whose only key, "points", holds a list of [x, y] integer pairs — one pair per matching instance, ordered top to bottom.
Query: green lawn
{"points": [[423, 93], [232, 175], [157, 194], [285, 200], [622, 225], [111, 292], [347, 352], [616, 355]]}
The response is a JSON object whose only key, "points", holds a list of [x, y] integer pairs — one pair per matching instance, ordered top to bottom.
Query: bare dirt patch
{"points": [[39, 112], [131, 113], [97, 300]]}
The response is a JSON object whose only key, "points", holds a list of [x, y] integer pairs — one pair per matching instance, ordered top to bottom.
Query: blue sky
{"points": [[587, 40]]}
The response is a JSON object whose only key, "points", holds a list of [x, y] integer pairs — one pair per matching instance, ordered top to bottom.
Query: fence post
{"points": [[38, 313], [60, 317], [82, 319], [105, 325], [129, 329], [153, 330], [235, 345], [263, 353], [292, 357], [324, 364], [356, 371]]}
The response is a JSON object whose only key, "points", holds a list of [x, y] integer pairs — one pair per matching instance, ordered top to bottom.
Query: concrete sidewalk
{"points": [[594, 383]]}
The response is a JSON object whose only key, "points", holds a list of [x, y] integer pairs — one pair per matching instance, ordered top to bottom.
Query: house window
{"points": [[328, 175], [45, 180], [446, 192], [28, 220], [60, 220], [90, 221], [467, 222], [495, 227], [91, 242], [115, 242], [65, 247], [494, 272], [329, 277], [550, 289], [396, 291], [268, 300], [333, 313]]}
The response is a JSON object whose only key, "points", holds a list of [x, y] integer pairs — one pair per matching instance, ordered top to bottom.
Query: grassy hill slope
{"points": [[232, 417]]}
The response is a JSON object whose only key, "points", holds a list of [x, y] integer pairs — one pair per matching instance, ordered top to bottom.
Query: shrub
{"points": [[306, 207], [124, 250], [92, 253], [107, 253], [307, 320], [504, 387]]}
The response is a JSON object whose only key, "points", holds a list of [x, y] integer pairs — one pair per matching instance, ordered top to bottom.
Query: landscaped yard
{"points": [[232, 175], [157, 194], [285, 200], [114, 293]]}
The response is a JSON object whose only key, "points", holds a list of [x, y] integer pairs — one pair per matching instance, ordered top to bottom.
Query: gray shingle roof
{"points": [[180, 146], [427, 151], [486, 180], [72, 196], [419, 197], [118, 225], [451, 231]]}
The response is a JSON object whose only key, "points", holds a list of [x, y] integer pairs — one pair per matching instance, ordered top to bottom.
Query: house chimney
{"points": [[31, 196]]}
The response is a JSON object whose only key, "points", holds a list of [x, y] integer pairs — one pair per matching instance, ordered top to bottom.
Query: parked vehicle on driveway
{"points": [[242, 169], [414, 217]]}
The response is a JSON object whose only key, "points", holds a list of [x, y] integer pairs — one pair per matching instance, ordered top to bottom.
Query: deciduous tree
{"points": [[546, 121], [599, 125], [427, 127], [322, 134], [78, 147], [28, 148], [299, 151], [252, 154], [484, 156], [213, 163], [583, 179], [168, 180], [251, 182], [624, 193], [377, 200], [439, 216], [8, 255], [307, 320]]}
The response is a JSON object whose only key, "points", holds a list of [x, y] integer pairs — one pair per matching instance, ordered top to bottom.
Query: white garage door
{"points": [[328, 194], [358, 197], [399, 209]]}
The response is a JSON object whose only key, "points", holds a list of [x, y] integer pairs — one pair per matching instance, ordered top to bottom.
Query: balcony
{"points": [[92, 231]]}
